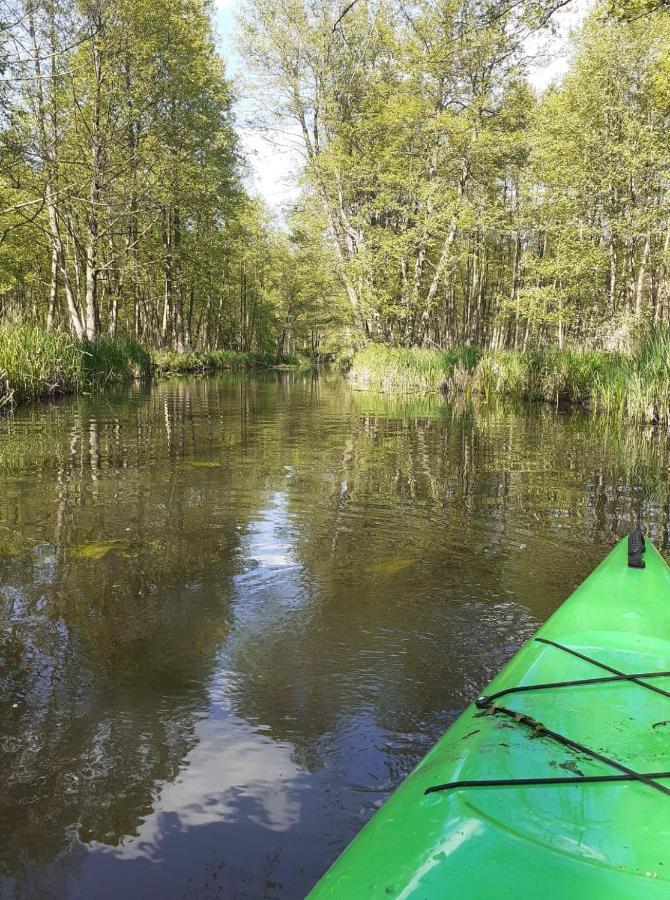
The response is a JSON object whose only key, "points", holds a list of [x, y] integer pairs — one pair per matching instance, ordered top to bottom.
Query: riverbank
{"points": [[196, 362], [36, 364], [635, 386]]}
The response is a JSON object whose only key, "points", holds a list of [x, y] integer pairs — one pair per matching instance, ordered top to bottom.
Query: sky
{"points": [[274, 169]]}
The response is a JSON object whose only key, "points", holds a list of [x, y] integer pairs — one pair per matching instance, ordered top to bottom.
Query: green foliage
{"points": [[630, 10], [122, 202], [444, 203], [462, 208], [106, 360], [198, 362], [36, 364], [400, 369], [634, 387]]}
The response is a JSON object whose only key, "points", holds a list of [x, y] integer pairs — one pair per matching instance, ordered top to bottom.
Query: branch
{"points": [[345, 11]]}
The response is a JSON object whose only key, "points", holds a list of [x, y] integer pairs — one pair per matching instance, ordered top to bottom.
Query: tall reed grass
{"points": [[106, 360], [36, 364], [400, 369], [634, 387]]}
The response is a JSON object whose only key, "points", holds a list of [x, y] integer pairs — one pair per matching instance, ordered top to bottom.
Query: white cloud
{"points": [[275, 169], [231, 763]]}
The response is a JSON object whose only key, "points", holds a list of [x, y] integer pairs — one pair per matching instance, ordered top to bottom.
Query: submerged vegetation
{"points": [[635, 386]]}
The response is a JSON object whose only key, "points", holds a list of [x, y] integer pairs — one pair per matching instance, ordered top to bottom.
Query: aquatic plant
{"points": [[106, 360], [35, 363], [38, 363], [401, 369], [635, 386]]}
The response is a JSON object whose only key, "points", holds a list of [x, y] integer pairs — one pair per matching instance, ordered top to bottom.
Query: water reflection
{"points": [[234, 613]]}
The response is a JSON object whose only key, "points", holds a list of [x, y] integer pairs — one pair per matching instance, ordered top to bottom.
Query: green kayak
{"points": [[556, 781]]}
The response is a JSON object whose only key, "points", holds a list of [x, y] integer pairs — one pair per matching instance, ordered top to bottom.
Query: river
{"points": [[235, 612]]}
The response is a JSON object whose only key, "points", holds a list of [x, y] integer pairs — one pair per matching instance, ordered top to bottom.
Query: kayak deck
{"points": [[572, 837]]}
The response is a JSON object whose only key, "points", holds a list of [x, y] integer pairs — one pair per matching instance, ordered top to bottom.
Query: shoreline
{"points": [[39, 365], [634, 387]]}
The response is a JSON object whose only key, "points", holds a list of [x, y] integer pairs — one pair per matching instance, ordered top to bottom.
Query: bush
{"points": [[170, 362]]}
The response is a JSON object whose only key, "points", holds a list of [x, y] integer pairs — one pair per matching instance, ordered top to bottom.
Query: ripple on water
{"points": [[235, 612]]}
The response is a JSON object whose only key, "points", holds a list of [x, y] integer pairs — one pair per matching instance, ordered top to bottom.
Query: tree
{"points": [[404, 114], [121, 168], [597, 179], [459, 212]]}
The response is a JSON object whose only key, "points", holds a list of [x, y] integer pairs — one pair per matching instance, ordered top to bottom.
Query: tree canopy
{"points": [[445, 200], [461, 206]]}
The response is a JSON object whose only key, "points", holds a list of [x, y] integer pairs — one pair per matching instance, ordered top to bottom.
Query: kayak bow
{"points": [[556, 781]]}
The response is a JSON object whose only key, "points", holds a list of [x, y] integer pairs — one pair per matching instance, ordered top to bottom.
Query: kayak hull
{"points": [[571, 838]]}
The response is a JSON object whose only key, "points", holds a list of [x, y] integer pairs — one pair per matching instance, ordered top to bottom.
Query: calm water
{"points": [[235, 613]]}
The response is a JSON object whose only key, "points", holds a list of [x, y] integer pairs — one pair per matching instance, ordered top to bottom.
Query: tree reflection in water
{"points": [[235, 612]]}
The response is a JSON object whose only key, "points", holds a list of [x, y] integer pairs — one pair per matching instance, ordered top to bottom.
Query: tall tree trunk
{"points": [[47, 135], [95, 190], [445, 253], [178, 282], [53, 288], [664, 288], [639, 289], [166, 317]]}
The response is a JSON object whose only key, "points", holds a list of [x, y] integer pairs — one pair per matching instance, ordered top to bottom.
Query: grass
{"points": [[106, 361], [169, 362], [37, 364], [398, 369], [634, 387]]}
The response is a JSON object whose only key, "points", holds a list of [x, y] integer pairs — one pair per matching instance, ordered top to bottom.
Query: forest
{"points": [[445, 201], [123, 206], [462, 207]]}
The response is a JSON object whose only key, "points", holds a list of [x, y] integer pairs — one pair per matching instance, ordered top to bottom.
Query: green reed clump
{"points": [[108, 360], [232, 360], [197, 362], [36, 363], [401, 369], [503, 373], [558, 376], [635, 386], [647, 394]]}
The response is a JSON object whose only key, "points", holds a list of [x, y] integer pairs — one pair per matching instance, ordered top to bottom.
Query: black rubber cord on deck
{"points": [[542, 731], [627, 774]]}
